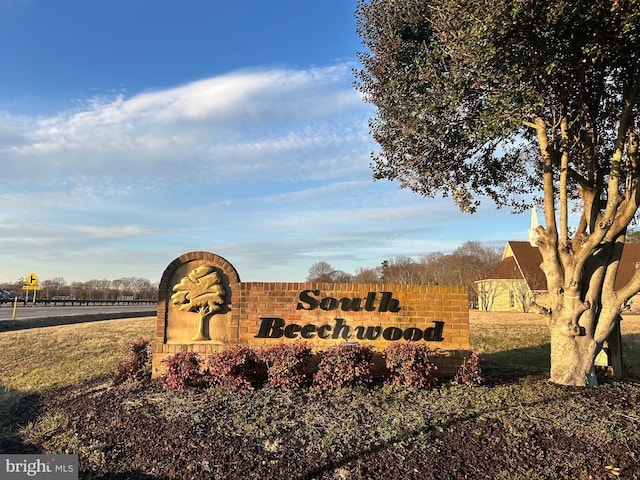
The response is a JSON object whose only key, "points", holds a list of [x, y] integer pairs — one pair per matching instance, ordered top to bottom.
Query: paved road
{"points": [[30, 311], [40, 316]]}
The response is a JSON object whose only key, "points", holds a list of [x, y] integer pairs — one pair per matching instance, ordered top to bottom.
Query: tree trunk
{"points": [[200, 336], [572, 358]]}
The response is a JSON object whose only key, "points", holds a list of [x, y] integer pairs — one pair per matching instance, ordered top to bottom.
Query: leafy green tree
{"points": [[498, 99]]}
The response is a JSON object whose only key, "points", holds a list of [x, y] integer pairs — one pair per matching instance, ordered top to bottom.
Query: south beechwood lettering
{"points": [[386, 303], [273, 327], [277, 328]]}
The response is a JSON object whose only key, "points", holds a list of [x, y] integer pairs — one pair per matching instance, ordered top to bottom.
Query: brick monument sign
{"points": [[204, 307]]}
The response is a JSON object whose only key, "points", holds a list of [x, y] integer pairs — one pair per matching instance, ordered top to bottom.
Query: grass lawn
{"points": [[521, 341], [41, 358], [36, 359]]}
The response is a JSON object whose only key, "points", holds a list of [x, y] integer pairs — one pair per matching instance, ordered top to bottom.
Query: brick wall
{"points": [[263, 313]]}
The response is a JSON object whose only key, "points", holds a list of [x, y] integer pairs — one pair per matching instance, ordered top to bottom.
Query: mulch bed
{"points": [[140, 431]]}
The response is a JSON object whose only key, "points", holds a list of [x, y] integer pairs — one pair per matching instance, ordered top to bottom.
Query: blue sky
{"points": [[133, 131]]}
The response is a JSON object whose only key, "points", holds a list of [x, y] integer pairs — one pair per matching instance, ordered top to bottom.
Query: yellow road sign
{"points": [[32, 279], [31, 287]]}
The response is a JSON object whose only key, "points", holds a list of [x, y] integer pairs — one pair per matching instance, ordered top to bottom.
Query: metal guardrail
{"points": [[76, 302]]}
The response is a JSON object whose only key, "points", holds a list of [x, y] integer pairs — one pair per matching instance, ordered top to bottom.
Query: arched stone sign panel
{"points": [[196, 312]]}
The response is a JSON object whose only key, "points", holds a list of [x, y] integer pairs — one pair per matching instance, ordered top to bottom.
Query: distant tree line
{"points": [[469, 262], [126, 288]]}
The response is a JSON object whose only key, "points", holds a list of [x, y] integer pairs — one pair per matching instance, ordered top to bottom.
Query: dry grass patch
{"points": [[630, 328], [492, 332], [521, 341], [38, 359]]}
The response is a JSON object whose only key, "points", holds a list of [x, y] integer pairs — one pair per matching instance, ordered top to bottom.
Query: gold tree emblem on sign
{"points": [[200, 292]]}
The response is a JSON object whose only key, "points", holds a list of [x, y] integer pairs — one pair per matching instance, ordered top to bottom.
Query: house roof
{"points": [[520, 259], [528, 259], [507, 269]]}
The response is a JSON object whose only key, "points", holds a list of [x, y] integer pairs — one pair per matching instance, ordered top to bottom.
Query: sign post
{"points": [[32, 284]]}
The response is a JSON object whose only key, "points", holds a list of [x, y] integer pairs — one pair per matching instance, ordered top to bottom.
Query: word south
{"points": [[386, 302], [277, 328]]}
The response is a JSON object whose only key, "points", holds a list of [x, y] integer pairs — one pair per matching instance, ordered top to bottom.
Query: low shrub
{"points": [[138, 364], [286, 364], [345, 365], [410, 365], [236, 367], [184, 372], [469, 372]]}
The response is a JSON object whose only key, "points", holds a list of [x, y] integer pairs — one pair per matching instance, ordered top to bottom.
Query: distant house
{"points": [[518, 279]]}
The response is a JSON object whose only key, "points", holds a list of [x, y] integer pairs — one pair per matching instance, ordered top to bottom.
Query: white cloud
{"points": [[247, 124]]}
